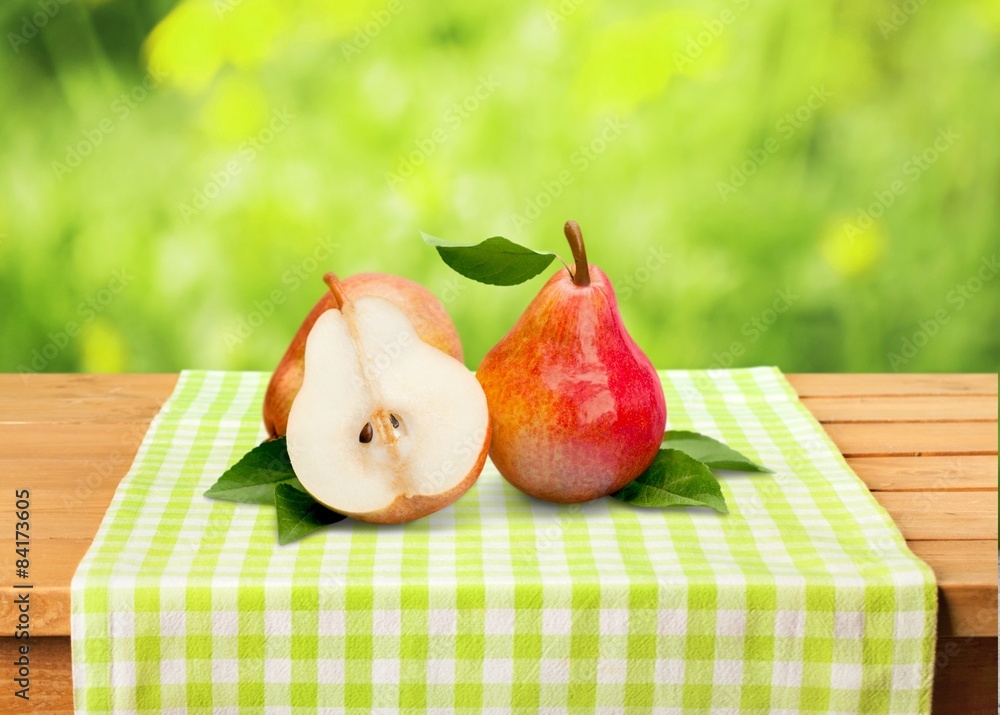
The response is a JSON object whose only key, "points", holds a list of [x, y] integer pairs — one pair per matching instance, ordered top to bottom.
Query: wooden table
{"points": [[926, 445]]}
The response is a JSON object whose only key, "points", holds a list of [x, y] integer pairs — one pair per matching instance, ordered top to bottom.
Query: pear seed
{"points": [[395, 422], [366, 433]]}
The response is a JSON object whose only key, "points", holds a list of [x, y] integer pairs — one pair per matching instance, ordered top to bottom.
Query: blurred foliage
{"points": [[760, 179]]}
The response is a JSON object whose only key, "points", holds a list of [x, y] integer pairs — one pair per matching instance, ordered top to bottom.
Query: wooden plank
{"points": [[862, 384], [85, 386], [82, 398], [951, 408], [79, 410], [914, 439], [70, 441], [913, 474], [71, 481], [942, 516], [966, 573], [51, 676], [965, 676]]}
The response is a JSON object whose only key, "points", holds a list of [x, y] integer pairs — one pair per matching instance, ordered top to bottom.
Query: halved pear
{"points": [[385, 428]]}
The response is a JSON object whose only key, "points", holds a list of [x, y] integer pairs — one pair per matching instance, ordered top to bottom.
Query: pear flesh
{"points": [[385, 428]]}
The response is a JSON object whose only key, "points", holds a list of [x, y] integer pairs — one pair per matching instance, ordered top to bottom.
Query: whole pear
{"points": [[424, 310], [577, 409]]}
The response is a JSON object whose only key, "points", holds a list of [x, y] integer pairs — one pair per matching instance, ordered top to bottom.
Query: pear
{"points": [[424, 310], [577, 409], [385, 428]]}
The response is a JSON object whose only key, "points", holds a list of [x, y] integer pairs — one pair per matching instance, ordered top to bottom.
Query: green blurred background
{"points": [[813, 185]]}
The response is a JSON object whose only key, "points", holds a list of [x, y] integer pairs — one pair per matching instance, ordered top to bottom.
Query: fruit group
{"points": [[424, 310], [577, 409], [385, 428]]}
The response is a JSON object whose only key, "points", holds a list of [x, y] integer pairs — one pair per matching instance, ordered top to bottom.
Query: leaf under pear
{"points": [[711, 452], [252, 479], [674, 479], [299, 514]]}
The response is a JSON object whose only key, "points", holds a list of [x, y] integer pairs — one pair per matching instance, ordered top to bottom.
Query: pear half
{"points": [[385, 428]]}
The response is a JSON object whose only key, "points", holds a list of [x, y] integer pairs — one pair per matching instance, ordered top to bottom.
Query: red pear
{"points": [[424, 310], [577, 409]]}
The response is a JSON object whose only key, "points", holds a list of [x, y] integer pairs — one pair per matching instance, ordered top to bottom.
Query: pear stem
{"points": [[581, 276], [333, 283]]}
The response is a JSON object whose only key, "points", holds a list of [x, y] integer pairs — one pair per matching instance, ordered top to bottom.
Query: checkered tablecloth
{"points": [[804, 598]]}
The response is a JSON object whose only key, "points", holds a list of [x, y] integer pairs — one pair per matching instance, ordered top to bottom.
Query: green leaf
{"points": [[495, 261], [711, 451], [674, 479], [251, 480], [299, 514]]}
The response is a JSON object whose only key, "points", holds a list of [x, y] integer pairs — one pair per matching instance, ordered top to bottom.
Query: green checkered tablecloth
{"points": [[803, 599]]}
